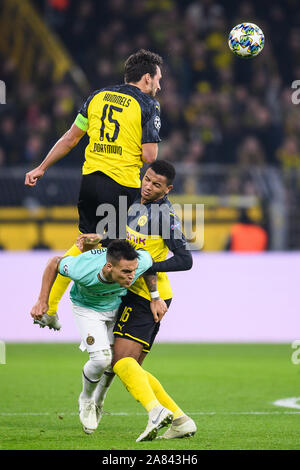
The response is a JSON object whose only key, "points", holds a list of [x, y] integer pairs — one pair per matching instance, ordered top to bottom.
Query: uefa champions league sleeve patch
{"points": [[157, 123]]}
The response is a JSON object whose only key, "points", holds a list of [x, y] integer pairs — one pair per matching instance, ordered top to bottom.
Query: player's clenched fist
{"points": [[32, 176], [39, 309]]}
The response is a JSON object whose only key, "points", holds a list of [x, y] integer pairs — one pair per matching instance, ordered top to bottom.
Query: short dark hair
{"points": [[140, 63], [163, 168], [120, 249]]}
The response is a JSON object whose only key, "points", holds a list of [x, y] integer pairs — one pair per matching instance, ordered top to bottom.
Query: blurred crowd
{"points": [[216, 107]]}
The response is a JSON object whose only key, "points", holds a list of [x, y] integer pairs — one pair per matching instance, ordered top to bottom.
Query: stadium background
{"points": [[228, 125], [232, 131]]}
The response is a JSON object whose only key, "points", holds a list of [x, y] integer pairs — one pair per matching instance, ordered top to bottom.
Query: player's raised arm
{"points": [[62, 147]]}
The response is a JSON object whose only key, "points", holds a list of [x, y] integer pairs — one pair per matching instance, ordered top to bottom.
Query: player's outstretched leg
{"points": [[135, 380]]}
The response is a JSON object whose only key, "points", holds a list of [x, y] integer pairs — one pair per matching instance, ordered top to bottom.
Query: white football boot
{"points": [[49, 320], [88, 415], [158, 418], [186, 427]]}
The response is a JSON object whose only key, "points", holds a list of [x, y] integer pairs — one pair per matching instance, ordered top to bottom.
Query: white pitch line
{"points": [[293, 402], [201, 413]]}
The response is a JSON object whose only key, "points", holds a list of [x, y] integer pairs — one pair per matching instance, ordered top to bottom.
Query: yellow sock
{"points": [[60, 284], [135, 380], [163, 397]]}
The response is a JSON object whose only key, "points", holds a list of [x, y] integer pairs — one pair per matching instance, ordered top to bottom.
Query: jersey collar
{"points": [[159, 201], [102, 279]]}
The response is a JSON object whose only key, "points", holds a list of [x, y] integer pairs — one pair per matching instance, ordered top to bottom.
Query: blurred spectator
{"points": [[56, 11], [216, 108], [9, 144], [173, 148], [33, 149], [195, 152], [250, 153], [289, 153], [247, 236]]}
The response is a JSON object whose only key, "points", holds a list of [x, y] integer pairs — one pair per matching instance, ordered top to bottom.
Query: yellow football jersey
{"points": [[118, 121], [154, 227]]}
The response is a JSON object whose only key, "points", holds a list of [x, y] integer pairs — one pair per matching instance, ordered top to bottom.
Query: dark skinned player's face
{"points": [[154, 186]]}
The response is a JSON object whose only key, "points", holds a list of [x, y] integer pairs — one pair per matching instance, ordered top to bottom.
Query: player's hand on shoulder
{"points": [[32, 176], [86, 241], [80, 242], [158, 308], [39, 309]]}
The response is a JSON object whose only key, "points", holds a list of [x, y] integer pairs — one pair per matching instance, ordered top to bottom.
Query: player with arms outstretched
{"points": [[122, 123], [101, 277]]}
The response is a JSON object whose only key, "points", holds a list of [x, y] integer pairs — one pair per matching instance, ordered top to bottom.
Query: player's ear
{"points": [[147, 77], [169, 188], [109, 265]]}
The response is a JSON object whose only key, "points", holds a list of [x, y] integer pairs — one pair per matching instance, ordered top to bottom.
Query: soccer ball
{"points": [[246, 40]]}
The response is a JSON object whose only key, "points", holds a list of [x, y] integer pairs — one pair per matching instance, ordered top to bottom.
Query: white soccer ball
{"points": [[246, 40]]}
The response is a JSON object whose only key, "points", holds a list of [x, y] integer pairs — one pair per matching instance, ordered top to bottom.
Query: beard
{"points": [[153, 92]]}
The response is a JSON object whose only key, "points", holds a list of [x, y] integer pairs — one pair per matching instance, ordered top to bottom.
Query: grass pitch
{"points": [[228, 389]]}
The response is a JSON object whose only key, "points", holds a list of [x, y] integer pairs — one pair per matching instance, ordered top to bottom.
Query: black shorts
{"points": [[98, 188], [135, 320]]}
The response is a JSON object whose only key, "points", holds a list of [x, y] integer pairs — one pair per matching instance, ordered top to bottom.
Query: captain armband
{"points": [[82, 122]]}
